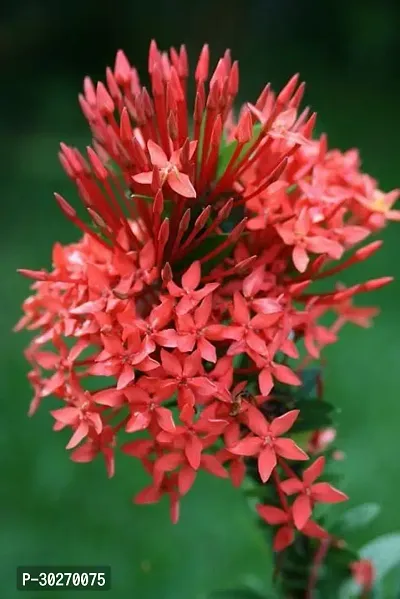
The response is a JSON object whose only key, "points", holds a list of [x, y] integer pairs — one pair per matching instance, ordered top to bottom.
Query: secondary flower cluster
{"points": [[191, 289]]}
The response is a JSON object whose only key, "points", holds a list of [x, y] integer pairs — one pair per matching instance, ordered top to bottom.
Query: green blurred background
{"points": [[57, 512]]}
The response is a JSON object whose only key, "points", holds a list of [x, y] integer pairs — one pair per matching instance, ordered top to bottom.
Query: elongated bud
{"points": [[154, 56], [183, 62], [122, 69], [201, 73], [233, 81], [112, 85], [90, 92], [285, 95], [298, 96], [104, 101], [125, 127], [244, 129], [216, 131], [99, 169], [156, 180], [66, 208], [97, 219], [202, 219], [184, 222], [368, 250], [245, 264], [166, 273], [37, 275], [377, 283], [298, 288]]}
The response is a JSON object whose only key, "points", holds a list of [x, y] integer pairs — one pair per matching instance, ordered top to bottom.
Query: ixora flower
{"points": [[191, 289]]}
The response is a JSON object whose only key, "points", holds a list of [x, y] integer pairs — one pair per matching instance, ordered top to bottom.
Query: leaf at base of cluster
{"points": [[314, 414]]}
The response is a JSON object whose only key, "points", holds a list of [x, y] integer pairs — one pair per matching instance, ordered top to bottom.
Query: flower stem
{"points": [[315, 567]]}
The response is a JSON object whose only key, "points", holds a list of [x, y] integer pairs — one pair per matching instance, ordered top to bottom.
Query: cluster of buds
{"points": [[191, 292]]}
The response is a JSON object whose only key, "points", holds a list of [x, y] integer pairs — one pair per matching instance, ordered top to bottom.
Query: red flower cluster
{"points": [[181, 305]]}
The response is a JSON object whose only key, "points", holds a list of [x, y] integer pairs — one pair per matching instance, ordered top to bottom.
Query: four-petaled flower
{"points": [[169, 171], [304, 237], [189, 294], [266, 442], [310, 492], [285, 534]]}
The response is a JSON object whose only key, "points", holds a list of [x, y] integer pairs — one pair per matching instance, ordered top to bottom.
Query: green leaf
{"points": [[227, 150], [225, 155], [238, 360], [310, 378], [314, 414], [359, 516], [341, 557]]}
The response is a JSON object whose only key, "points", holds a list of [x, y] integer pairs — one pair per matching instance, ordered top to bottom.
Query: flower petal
{"points": [[157, 155], [144, 178], [181, 184], [300, 258], [191, 278], [240, 310], [207, 350], [171, 364], [284, 374], [127, 376], [265, 381], [165, 419], [139, 421], [256, 421], [283, 423], [78, 435], [248, 446], [193, 449], [288, 449], [168, 462], [210, 463], [266, 463], [311, 473], [186, 478], [291, 486], [325, 493], [150, 494], [301, 510], [272, 515], [312, 529], [283, 538]]}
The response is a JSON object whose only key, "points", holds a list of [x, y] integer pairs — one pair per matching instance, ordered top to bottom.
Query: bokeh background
{"points": [[57, 512]]}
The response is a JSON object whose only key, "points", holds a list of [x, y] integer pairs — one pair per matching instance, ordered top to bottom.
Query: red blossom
{"points": [[169, 171], [299, 233], [193, 282], [188, 294], [266, 442], [310, 492], [286, 531], [363, 572]]}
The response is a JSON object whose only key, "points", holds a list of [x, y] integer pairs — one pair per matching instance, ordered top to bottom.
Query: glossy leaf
{"points": [[314, 414]]}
